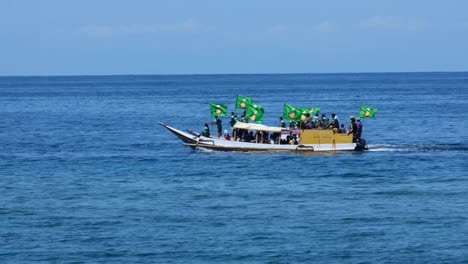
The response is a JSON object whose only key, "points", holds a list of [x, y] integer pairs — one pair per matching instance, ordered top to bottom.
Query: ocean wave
{"points": [[418, 147]]}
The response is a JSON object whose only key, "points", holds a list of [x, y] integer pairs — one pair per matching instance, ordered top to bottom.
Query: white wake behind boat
{"points": [[308, 140]]}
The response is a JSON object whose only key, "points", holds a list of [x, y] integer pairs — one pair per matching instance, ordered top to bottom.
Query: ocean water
{"points": [[88, 176]]}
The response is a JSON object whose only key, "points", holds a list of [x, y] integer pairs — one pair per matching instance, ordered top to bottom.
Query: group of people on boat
{"points": [[315, 122]]}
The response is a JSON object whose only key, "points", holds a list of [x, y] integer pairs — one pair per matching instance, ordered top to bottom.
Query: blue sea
{"points": [[87, 175]]}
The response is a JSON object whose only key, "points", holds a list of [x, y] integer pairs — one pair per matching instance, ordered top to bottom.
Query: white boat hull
{"points": [[198, 141]]}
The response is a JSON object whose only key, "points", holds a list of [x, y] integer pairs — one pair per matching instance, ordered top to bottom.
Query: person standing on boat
{"points": [[243, 118], [233, 120], [302, 122], [308, 122], [232, 123], [282, 124], [218, 125], [353, 128], [359, 128], [206, 131]]}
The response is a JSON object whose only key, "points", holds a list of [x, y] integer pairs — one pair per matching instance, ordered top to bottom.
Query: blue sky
{"points": [[210, 36]]}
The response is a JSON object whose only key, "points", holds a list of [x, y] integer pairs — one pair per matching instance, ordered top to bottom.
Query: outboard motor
{"points": [[361, 145]]}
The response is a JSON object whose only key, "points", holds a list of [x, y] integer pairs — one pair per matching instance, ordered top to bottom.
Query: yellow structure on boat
{"points": [[319, 136]]}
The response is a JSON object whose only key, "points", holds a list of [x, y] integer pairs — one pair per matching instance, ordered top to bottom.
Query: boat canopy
{"points": [[257, 127]]}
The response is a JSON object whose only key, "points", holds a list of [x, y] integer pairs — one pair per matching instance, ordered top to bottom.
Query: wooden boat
{"points": [[308, 140]]}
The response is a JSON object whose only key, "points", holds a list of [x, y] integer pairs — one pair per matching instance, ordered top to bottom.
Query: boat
{"points": [[308, 140]]}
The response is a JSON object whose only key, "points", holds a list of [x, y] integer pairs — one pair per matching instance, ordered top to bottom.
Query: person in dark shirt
{"points": [[233, 119], [315, 121], [324, 121], [281, 122], [308, 122], [334, 123], [292, 124], [218, 125], [353, 128], [359, 128], [206, 131], [249, 136]]}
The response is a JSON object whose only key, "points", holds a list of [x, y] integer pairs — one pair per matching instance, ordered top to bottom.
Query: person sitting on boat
{"points": [[315, 120], [325, 121], [334, 123], [282, 124], [319, 124], [218, 125], [353, 128], [342, 129], [206, 131], [240, 134], [226, 135], [246, 136], [250, 137], [257, 137], [265, 137], [273, 139], [293, 140]]}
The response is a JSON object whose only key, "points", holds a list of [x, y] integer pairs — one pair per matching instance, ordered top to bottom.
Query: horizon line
{"points": [[193, 74]]}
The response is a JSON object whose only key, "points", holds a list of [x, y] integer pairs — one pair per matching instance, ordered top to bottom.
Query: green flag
{"points": [[243, 101], [218, 109], [312, 111], [367, 111], [255, 112], [292, 113]]}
